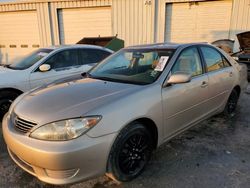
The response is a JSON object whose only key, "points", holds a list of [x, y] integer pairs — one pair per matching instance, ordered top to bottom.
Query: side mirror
{"points": [[44, 68], [179, 78]]}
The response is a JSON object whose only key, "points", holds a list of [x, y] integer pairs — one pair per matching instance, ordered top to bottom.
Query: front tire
{"points": [[6, 98], [231, 105], [130, 153]]}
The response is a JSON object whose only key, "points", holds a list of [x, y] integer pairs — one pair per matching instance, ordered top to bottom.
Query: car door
{"points": [[88, 57], [64, 63], [220, 74], [184, 104]]}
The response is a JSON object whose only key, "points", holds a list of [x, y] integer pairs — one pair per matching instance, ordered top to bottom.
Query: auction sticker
{"points": [[162, 63]]}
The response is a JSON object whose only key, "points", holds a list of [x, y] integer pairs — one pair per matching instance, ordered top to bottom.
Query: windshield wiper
{"points": [[120, 67], [118, 80]]}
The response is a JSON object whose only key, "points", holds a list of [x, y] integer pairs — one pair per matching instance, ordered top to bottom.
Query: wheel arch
{"points": [[237, 89], [19, 92], [150, 125]]}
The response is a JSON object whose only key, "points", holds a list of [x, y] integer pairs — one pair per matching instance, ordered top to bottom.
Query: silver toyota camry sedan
{"points": [[110, 121]]}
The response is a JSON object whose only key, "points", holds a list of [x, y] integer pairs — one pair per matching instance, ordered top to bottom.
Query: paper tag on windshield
{"points": [[42, 54], [162, 63]]}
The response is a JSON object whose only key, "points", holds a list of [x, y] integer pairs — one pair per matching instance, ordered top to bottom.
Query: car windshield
{"points": [[30, 59], [133, 66]]}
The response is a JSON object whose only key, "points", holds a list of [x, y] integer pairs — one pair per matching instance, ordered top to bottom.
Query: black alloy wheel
{"points": [[130, 153], [134, 154]]}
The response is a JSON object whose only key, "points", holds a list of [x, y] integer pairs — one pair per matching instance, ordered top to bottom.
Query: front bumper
{"points": [[61, 162]]}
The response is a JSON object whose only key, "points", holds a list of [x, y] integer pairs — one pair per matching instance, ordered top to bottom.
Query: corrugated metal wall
{"points": [[54, 6], [47, 12], [42, 13], [161, 15], [240, 20], [133, 21], [140, 21], [198, 22], [47, 23], [76, 23], [19, 34]]}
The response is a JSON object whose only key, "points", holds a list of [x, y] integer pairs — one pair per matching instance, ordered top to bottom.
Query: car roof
{"points": [[172, 46], [55, 47]]}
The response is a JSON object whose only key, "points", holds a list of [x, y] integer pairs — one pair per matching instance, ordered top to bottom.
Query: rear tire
{"points": [[6, 99], [231, 105], [130, 153]]}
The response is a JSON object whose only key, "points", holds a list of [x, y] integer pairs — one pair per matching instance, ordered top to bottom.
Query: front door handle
{"points": [[204, 84]]}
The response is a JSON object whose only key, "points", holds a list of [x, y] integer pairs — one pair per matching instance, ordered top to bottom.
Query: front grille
{"points": [[23, 125]]}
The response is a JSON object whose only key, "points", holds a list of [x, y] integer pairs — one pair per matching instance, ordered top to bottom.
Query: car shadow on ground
{"points": [[215, 153]]}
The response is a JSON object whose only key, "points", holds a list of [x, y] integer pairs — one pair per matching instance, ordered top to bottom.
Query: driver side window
{"points": [[63, 59], [188, 62]]}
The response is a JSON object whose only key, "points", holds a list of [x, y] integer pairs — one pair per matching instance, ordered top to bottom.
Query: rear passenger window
{"points": [[88, 56], [213, 59]]}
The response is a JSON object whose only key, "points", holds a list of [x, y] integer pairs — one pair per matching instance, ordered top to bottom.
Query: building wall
{"points": [[54, 6], [42, 13], [161, 15], [47, 16], [132, 20], [240, 20], [135, 21], [140, 21], [8, 53]]}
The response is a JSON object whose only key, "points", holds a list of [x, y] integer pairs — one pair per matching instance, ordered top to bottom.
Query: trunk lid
{"points": [[244, 40]]}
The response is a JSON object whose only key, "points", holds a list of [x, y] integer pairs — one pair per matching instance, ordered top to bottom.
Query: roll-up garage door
{"points": [[198, 21], [74, 24], [19, 34]]}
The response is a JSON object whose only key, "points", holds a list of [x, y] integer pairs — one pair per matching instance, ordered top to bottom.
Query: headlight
{"points": [[66, 129]]}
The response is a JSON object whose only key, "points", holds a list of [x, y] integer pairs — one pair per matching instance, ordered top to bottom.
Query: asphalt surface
{"points": [[215, 153]]}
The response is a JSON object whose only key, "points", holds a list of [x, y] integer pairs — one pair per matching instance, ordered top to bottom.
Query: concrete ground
{"points": [[215, 153]]}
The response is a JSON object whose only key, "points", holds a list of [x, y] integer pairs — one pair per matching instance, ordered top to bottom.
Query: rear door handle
{"points": [[230, 74], [204, 84]]}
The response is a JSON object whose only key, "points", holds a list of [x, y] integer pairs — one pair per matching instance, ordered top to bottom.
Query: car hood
{"points": [[244, 40], [225, 44], [70, 100]]}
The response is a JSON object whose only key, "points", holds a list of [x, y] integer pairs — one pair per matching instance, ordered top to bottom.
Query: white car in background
{"points": [[44, 66]]}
